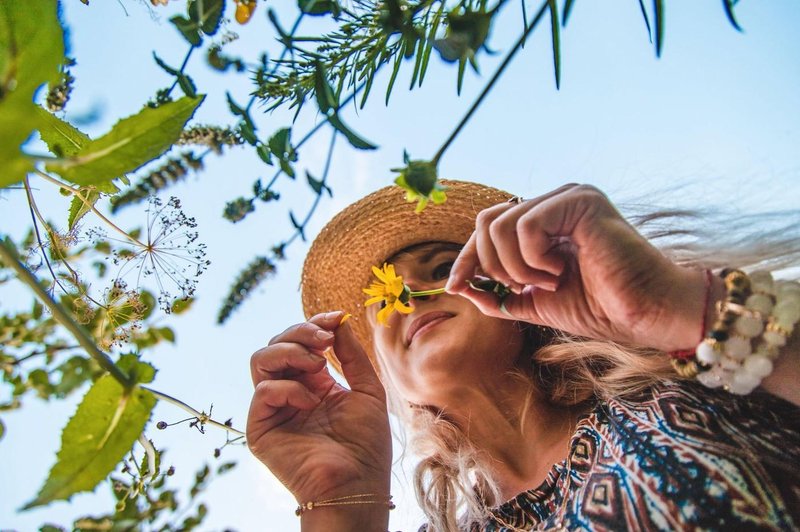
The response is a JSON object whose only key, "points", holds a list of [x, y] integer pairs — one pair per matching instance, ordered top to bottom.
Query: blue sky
{"points": [[713, 122]]}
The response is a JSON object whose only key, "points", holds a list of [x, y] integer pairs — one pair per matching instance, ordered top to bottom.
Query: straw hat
{"points": [[371, 230]]}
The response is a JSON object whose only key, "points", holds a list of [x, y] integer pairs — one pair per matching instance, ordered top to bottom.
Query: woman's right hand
{"points": [[318, 438]]}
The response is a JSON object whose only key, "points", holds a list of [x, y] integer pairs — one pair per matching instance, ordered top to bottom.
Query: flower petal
{"points": [[373, 300], [400, 307], [383, 315]]}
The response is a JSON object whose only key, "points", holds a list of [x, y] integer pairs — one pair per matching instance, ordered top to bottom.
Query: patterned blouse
{"points": [[679, 457]]}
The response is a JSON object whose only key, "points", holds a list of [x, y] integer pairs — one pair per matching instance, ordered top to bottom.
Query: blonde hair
{"points": [[453, 479]]}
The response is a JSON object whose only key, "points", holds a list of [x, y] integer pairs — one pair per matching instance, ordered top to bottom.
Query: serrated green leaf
{"points": [[207, 14], [188, 28], [31, 50], [62, 138], [355, 140], [131, 143], [78, 208], [140, 372], [107, 423]]}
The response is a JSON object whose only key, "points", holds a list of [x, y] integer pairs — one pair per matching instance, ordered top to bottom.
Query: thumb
{"points": [[356, 366]]}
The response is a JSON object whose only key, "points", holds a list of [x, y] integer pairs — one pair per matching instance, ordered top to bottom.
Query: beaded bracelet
{"points": [[754, 321], [361, 498]]}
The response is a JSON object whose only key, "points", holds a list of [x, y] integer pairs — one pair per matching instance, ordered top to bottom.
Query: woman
{"points": [[554, 405]]}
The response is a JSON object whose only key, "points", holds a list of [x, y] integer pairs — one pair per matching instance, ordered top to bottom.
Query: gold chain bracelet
{"points": [[361, 498]]}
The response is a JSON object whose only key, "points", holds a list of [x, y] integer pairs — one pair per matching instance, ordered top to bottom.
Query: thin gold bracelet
{"points": [[361, 498]]}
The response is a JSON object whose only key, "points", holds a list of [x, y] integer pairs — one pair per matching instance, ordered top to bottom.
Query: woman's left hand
{"points": [[576, 265]]}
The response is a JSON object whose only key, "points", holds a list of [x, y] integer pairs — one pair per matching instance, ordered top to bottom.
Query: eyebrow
{"points": [[436, 249]]}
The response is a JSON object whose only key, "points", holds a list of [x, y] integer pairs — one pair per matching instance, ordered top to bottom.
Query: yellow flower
{"points": [[389, 290]]}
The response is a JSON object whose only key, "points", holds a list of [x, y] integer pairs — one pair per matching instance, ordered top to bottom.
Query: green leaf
{"points": [[568, 5], [728, 5], [319, 7], [658, 8], [207, 14], [646, 20], [188, 29], [555, 29], [429, 43], [31, 50], [397, 61], [166, 67], [187, 86], [323, 90], [62, 138], [353, 138], [131, 143], [317, 185], [78, 208], [298, 226], [182, 305], [166, 333], [140, 372], [107, 422]]}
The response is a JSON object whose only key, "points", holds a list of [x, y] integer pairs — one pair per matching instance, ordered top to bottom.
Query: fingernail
{"points": [[330, 315], [323, 335], [315, 358]]}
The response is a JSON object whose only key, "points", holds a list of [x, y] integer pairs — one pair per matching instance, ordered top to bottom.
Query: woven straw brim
{"points": [[373, 229]]}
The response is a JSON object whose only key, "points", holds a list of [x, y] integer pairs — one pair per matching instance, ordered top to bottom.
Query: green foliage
{"points": [[204, 17], [31, 51], [62, 138], [131, 143], [421, 182], [81, 205], [107, 422]]}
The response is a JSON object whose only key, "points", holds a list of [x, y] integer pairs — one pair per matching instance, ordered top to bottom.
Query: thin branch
{"points": [[491, 83], [75, 192], [34, 211], [300, 230], [23, 274], [47, 351], [204, 418]]}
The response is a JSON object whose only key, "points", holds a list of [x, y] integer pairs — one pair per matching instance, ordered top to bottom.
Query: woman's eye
{"points": [[442, 271]]}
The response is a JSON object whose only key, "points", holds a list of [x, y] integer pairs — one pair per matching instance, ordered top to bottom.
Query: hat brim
{"points": [[373, 229]]}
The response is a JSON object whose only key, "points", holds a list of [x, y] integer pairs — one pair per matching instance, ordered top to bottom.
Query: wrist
{"points": [[690, 308], [362, 506]]}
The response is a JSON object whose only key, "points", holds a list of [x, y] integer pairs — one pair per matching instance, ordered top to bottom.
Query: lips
{"points": [[424, 320]]}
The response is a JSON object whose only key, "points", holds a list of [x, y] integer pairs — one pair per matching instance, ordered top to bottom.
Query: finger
{"points": [[558, 216], [503, 233], [487, 253], [475, 254], [464, 267], [314, 333], [283, 360], [356, 366], [274, 401]]}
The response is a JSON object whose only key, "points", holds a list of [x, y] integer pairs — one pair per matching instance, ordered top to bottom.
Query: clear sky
{"points": [[717, 116]]}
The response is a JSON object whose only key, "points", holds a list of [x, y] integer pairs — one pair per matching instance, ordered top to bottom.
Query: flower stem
{"points": [[432, 292], [204, 418]]}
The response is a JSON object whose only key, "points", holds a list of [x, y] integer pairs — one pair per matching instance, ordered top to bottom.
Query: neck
{"points": [[522, 438]]}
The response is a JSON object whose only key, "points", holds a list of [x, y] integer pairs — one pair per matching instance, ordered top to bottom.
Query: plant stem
{"points": [[490, 84], [77, 194], [23, 274], [432, 292], [204, 418]]}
